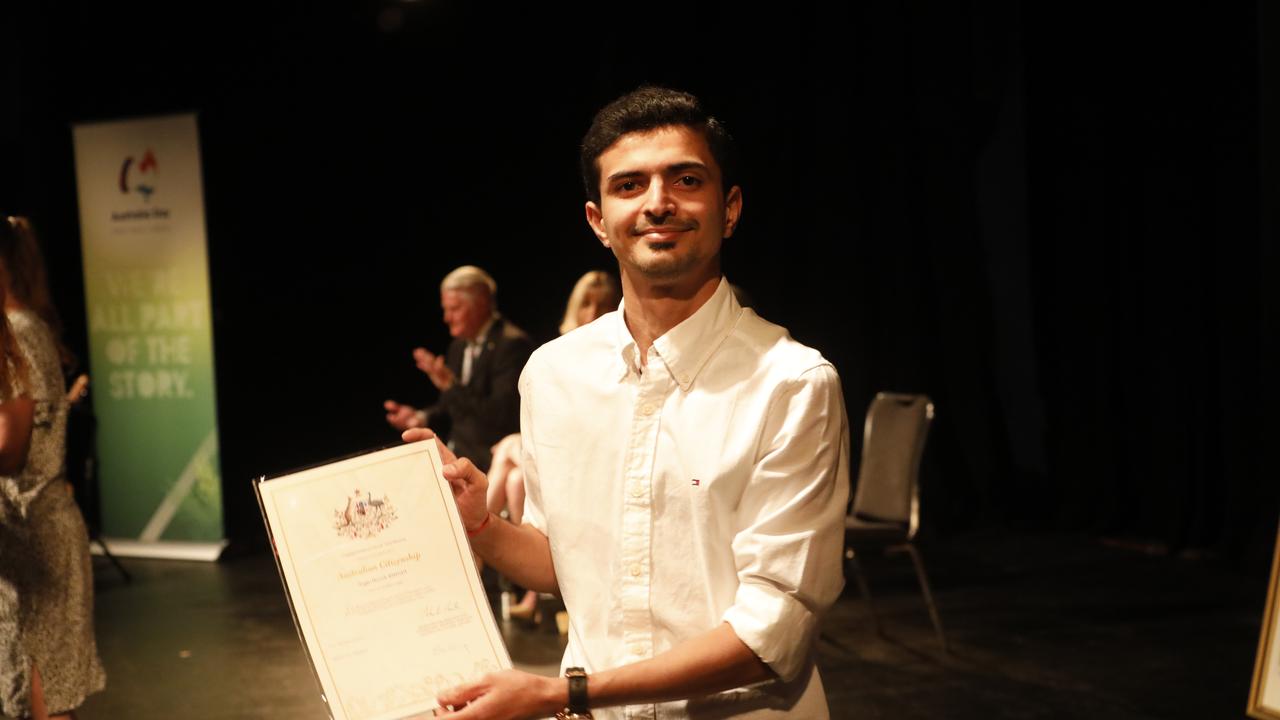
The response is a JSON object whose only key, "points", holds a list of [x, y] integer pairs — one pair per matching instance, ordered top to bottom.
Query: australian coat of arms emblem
{"points": [[364, 515]]}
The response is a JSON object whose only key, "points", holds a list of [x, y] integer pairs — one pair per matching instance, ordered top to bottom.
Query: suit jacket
{"points": [[475, 416]]}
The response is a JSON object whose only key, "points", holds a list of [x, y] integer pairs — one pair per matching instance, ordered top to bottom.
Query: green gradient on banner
{"points": [[150, 341]]}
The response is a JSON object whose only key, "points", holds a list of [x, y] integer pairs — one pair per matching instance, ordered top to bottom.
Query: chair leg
{"points": [[106, 552], [860, 578], [928, 595]]}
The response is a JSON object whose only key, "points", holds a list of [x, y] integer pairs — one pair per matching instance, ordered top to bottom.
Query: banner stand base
{"points": [[162, 549]]}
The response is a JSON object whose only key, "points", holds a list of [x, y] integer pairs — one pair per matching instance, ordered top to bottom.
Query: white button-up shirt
{"points": [[709, 488]]}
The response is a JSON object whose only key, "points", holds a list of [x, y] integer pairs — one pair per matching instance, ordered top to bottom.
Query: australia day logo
{"points": [[139, 177], [364, 516]]}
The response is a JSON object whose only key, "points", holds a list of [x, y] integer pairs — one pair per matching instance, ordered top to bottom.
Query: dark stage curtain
{"points": [[1045, 216], [1059, 239], [1147, 268]]}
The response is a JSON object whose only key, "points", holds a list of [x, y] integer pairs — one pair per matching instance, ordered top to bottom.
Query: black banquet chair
{"points": [[886, 505]]}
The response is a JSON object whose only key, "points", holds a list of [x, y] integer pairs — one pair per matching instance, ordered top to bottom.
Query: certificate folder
{"points": [[381, 581]]}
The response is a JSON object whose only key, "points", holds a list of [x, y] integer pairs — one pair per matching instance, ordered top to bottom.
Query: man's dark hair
{"points": [[650, 108]]}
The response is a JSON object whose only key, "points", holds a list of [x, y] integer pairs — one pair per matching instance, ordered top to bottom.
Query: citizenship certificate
{"points": [[381, 581]]}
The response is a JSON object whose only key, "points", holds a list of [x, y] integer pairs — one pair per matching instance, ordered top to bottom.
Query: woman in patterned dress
{"points": [[48, 656]]}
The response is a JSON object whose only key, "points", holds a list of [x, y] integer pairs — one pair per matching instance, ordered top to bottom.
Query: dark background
{"points": [[1047, 216]]}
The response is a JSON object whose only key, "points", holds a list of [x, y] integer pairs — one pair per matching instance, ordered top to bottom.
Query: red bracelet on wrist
{"points": [[479, 528]]}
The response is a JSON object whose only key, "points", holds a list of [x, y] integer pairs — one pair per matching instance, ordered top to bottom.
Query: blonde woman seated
{"points": [[595, 294]]}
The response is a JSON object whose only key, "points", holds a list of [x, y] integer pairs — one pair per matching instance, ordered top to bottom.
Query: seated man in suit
{"points": [[477, 376]]}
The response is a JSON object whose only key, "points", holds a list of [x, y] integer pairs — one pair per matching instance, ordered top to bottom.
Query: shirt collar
{"points": [[483, 335], [685, 348]]}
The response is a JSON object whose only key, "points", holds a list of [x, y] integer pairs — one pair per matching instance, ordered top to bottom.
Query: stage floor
{"points": [[1040, 627]]}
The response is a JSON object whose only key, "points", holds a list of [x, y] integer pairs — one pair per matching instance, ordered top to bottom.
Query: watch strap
{"points": [[578, 702]]}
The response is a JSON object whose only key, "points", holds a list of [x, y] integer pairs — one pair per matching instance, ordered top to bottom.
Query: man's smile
{"points": [[662, 233]]}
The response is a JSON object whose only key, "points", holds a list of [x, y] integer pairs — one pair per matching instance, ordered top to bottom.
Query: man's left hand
{"points": [[433, 365], [506, 695]]}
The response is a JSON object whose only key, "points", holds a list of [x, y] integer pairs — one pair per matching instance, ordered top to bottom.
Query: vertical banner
{"points": [[146, 280]]}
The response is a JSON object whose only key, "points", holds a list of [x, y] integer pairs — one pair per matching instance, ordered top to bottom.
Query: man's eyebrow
{"points": [[684, 166], [673, 168], [624, 174]]}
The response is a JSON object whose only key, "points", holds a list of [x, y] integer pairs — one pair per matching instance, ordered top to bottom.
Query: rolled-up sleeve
{"points": [[790, 527]]}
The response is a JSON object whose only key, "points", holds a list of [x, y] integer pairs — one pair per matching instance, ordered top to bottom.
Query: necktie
{"points": [[468, 357]]}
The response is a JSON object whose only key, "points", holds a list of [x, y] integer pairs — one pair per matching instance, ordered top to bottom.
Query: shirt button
{"points": [[646, 409], [637, 491], [635, 571], [637, 650]]}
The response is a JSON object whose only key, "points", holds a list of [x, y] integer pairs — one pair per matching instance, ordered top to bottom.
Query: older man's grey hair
{"points": [[473, 282]]}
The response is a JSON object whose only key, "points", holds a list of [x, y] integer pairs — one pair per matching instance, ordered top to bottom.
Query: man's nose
{"points": [[658, 201]]}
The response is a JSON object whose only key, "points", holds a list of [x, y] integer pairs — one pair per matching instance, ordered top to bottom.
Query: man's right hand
{"points": [[433, 365], [402, 417], [470, 486]]}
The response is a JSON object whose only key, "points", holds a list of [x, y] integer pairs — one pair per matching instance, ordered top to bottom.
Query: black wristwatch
{"points": [[578, 705]]}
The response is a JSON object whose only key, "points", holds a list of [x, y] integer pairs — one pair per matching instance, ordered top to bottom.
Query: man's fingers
{"points": [[390, 406], [397, 420], [425, 433], [417, 434], [446, 455], [463, 470], [461, 474], [459, 695], [469, 701], [477, 710]]}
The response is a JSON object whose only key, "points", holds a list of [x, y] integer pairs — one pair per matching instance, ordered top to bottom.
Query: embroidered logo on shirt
{"points": [[696, 482]]}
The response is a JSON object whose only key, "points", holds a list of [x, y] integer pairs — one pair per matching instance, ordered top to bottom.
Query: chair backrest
{"points": [[892, 444]]}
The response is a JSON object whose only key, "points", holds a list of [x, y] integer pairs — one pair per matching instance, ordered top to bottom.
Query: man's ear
{"points": [[732, 209], [596, 220]]}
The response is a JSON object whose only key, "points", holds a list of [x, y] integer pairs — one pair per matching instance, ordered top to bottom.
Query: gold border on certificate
{"points": [[308, 559], [1264, 693]]}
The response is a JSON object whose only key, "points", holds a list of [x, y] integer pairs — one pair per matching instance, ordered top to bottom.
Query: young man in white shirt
{"points": [[686, 462]]}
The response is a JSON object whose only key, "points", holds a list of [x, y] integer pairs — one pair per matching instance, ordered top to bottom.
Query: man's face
{"points": [[662, 210], [464, 312]]}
